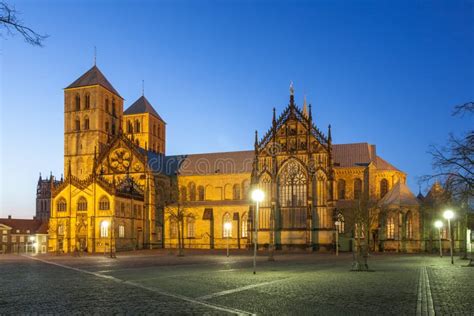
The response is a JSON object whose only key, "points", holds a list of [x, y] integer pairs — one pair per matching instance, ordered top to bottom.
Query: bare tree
{"points": [[11, 24], [365, 217]]}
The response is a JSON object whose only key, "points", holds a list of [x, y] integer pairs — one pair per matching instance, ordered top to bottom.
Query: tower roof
{"points": [[93, 77], [142, 105], [399, 196]]}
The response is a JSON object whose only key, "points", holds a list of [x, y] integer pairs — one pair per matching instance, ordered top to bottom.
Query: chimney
{"points": [[9, 217]]}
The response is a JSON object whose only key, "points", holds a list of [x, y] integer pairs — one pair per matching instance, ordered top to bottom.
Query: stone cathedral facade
{"points": [[120, 191]]}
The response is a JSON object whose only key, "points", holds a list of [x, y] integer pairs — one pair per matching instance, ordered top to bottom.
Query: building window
{"points": [[88, 101], [78, 102], [107, 105], [113, 107], [86, 123], [78, 125], [137, 126], [129, 127], [154, 129], [383, 187], [245, 189], [341, 189], [357, 189], [192, 191], [236, 192], [183, 194], [201, 194], [293, 195], [82, 204], [104, 204], [62, 205], [265, 206], [226, 226], [340, 226], [409, 226], [191, 227], [390, 227], [173, 228], [104, 229], [244, 229], [359, 230], [5, 231], [121, 231], [4, 238], [22, 238]]}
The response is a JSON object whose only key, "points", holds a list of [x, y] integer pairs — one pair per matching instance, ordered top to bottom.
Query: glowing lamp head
{"points": [[257, 195], [448, 214], [105, 224], [438, 224], [228, 226], [32, 238]]}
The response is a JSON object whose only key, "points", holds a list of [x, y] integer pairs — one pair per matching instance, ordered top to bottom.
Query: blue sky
{"points": [[383, 72]]}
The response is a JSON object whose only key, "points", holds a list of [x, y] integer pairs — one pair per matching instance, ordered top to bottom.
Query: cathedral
{"points": [[120, 191]]}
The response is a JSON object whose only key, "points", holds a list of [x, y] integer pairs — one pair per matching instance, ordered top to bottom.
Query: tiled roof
{"points": [[93, 77], [142, 106], [358, 154], [399, 196], [24, 225]]}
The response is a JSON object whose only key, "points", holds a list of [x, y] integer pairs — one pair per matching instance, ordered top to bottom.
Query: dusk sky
{"points": [[384, 72]]}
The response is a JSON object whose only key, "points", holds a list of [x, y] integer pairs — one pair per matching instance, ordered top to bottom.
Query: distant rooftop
{"points": [[93, 77], [142, 105]]}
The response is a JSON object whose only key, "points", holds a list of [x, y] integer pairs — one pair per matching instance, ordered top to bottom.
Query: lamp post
{"points": [[257, 197], [448, 214], [337, 223], [438, 224], [228, 229]]}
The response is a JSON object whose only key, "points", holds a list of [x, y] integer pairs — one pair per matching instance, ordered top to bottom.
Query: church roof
{"points": [[93, 77], [142, 105], [358, 154], [399, 196]]}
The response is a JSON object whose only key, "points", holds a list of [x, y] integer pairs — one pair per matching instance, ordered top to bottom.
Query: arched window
{"points": [[88, 101], [78, 102], [107, 105], [113, 107], [86, 123], [78, 124], [137, 126], [129, 127], [265, 184], [383, 187], [245, 189], [341, 189], [357, 189], [192, 191], [236, 192], [183, 194], [201, 194], [293, 195], [82, 204], [104, 204], [61, 205], [340, 221], [190, 224], [226, 226], [409, 226], [390, 227], [173, 228], [60, 229], [104, 229], [244, 229], [121, 231]]}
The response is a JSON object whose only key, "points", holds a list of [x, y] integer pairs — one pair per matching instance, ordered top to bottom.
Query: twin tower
{"points": [[93, 114]]}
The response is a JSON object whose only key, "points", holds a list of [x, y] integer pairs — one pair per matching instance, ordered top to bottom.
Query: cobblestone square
{"points": [[158, 282]]}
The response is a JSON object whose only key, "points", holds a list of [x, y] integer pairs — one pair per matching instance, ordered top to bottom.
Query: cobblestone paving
{"points": [[155, 282]]}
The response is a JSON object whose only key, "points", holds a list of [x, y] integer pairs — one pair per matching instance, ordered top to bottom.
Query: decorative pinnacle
{"points": [[292, 89], [305, 107], [310, 114], [274, 116], [329, 133], [256, 139]]}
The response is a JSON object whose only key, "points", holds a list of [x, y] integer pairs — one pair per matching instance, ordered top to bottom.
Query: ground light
{"points": [[257, 197], [448, 214], [438, 224], [228, 230]]}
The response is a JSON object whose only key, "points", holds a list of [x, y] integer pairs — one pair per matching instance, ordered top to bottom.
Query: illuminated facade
{"points": [[122, 192]]}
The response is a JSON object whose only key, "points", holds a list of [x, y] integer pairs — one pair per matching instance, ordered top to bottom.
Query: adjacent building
{"points": [[23, 236]]}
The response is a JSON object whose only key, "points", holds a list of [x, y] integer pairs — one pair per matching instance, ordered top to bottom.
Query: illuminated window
{"points": [[88, 101], [78, 102], [383, 187], [357, 188], [245, 189], [341, 189], [192, 191], [236, 192], [201, 193], [293, 195], [82, 204], [104, 204], [62, 205], [265, 206], [340, 220], [190, 224], [226, 226], [409, 226], [390, 227], [173, 228], [104, 229], [244, 229], [60, 230], [121, 231], [359, 231], [22, 238]]}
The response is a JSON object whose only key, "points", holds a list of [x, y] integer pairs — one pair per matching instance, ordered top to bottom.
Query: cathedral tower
{"points": [[93, 112]]}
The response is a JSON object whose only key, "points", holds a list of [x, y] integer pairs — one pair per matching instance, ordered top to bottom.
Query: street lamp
{"points": [[257, 197], [448, 214], [438, 224], [227, 229], [104, 230]]}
